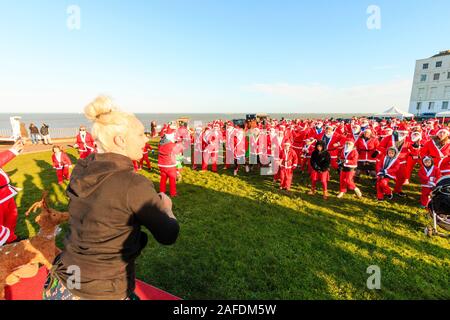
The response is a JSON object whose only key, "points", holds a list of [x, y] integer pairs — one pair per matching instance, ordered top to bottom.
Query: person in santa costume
{"points": [[317, 131], [197, 138], [212, 140], [399, 141], [85, 143], [334, 143], [366, 145], [239, 147], [438, 147], [307, 151], [413, 157], [145, 158], [167, 162], [288, 162], [61, 163], [348, 163], [387, 167], [445, 167], [320, 168], [429, 174], [8, 208]]}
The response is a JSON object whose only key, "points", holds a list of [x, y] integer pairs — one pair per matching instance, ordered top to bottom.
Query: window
{"points": [[438, 64], [425, 66], [448, 75], [436, 76], [423, 78], [433, 93], [421, 94], [445, 105], [419, 106], [431, 106]]}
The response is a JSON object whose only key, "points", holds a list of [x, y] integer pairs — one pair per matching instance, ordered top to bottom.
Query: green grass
{"points": [[241, 238]]}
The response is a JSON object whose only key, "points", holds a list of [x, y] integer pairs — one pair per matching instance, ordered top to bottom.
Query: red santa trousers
{"points": [[85, 154], [206, 158], [147, 161], [410, 163], [170, 173], [62, 174], [285, 177], [322, 177], [401, 177], [346, 181], [383, 188], [425, 196], [8, 217]]}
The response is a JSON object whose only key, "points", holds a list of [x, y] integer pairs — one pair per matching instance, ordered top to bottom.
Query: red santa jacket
{"points": [[315, 134], [336, 138], [298, 139], [212, 140], [389, 142], [87, 144], [240, 144], [258, 144], [366, 148], [146, 149], [167, 153], [438, 153], [288, 159], [349, 159], [63, 161], [445, 166], [384, 168], [429, 176], [6, 190]]}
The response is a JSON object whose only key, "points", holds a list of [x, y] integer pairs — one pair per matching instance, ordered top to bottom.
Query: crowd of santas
{"points": [[387, 150]]}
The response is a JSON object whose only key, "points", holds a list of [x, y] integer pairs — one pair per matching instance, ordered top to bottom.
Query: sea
{"points": [[64, 124]]}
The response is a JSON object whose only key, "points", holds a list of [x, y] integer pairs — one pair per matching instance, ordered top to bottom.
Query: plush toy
{"points": [[23, 259]]}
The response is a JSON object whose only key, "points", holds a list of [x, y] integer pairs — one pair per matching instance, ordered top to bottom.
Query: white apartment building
{"points": [[431, 86]]}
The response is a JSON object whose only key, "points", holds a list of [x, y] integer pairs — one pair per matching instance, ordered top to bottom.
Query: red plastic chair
{"points": [[31, 289]]}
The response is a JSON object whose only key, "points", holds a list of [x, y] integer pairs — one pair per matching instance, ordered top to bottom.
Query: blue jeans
{"points": [[34, 138]]}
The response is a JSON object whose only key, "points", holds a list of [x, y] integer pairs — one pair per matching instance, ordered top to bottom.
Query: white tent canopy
{"points": [[394, 112], [444, 114]]}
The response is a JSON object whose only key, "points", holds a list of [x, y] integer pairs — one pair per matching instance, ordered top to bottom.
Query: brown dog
{"points": [[22, 259]]}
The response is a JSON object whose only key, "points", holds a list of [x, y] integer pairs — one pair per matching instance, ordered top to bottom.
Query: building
{"points": [[431, 86]]}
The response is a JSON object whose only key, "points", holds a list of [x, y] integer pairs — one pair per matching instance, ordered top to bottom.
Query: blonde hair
{"points": [[108, 122]]}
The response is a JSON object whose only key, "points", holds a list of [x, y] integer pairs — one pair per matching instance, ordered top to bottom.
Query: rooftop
{"points": [[442, 53]]}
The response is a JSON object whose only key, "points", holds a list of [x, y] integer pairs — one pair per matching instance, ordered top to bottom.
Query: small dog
{"points": [[23, 259]]}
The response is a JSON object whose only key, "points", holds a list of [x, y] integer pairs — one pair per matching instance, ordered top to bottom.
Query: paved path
{"points": [[33, 148]]}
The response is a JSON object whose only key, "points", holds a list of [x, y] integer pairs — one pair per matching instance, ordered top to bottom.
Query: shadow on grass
{"points": [[231, 247]]}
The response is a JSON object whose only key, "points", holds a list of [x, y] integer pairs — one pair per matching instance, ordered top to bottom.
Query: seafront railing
{"points": [[54, 132]]}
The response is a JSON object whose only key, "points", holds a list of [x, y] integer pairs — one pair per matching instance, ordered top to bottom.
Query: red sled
{"points": [[32, 288]]}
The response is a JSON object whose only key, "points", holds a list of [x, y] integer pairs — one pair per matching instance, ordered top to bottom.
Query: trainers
{"points": [[235, 172], [406, 182], [312, 192], [358, 193], [401, 194], [325, 195], [340, 195], [390, 196]]}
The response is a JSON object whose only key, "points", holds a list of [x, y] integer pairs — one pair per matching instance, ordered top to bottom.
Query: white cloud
{"points": [[318, 98]]}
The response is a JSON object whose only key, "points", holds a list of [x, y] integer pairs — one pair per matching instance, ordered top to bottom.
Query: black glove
{"points": [[375, 153]]}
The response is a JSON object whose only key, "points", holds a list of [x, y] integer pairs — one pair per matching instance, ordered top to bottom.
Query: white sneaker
{"points": [[247, 169], [235, 172], [406, 182], [358, 193], [340, 195]]}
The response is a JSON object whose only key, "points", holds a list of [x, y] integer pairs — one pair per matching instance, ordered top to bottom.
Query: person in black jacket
{"points": [[45, 134], [320, 165], [109, 205]]}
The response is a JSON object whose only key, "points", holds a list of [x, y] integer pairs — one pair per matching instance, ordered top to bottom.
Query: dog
{"points": [[23, 259]]}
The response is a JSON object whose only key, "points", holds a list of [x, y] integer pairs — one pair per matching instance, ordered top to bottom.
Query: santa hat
{"points": [[402, 128], [444, 130], [169, 131], [416, 136]]}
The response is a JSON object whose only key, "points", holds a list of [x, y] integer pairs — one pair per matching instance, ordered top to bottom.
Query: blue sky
{"points": [[216, 55]]}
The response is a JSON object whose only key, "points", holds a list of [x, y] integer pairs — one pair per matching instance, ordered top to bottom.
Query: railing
{"points": [[54, 132]]}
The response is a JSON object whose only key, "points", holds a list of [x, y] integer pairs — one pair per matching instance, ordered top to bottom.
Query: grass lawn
{"points": [[241, 238]]}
